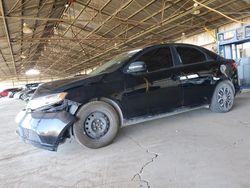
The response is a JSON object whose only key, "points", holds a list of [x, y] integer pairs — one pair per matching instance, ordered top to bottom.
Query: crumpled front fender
{"points": [[45, 129]]}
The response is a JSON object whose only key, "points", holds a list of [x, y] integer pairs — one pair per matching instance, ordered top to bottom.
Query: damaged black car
{"points": [[135, 86]]}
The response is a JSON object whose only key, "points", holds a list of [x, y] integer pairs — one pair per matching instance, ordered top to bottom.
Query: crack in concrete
{"points": [[246, 124], [139, 174]]}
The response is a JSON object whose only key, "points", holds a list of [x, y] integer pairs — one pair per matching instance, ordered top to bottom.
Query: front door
{"points": [[158, 90], [135, 96]]}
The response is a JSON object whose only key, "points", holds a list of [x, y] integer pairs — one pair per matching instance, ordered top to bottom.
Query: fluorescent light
{"points": [[196, 12], [27, 29], [55, 31], [23, 56], [32, 72]]}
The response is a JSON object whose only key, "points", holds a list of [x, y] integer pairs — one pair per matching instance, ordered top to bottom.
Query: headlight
{"points": [[46, 100]]}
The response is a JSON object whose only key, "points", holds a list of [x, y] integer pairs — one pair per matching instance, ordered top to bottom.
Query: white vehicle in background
{"points": [[27, 92], [18, 95]]}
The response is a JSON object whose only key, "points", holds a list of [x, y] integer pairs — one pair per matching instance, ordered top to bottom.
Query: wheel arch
{"points": [[225, 79], [217, 83], [110, 102], [103, 105], [115, 106], [214, 106]]}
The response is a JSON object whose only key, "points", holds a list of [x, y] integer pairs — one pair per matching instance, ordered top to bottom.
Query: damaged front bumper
{"points": [[44, 129]]}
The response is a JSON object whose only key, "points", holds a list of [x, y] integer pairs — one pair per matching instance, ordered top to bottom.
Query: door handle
{"points": [[192, 76], [175, 77], [185, 77]]}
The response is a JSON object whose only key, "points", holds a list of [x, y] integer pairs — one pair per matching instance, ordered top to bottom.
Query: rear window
{"points": [[190, 55], [213, 55]]}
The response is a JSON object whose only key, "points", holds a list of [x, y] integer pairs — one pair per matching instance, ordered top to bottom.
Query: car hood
{"points": [[65, 84]]}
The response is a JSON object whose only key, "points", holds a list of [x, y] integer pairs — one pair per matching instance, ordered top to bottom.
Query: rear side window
{"points": [[190, 55], [213, 55], [157, 59]]}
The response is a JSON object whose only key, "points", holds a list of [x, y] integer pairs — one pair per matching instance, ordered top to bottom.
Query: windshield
{"points": [[114, 63]]}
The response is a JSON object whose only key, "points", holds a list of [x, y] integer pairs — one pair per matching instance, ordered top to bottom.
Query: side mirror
{"points": [[138, 66]]}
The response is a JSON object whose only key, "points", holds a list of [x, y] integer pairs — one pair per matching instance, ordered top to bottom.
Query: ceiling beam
{"points": [[14, 6], [15, 10], [132, 15], [149, 17], [35, 18], [65, 20], [142, 21], [72, 22], [104, 22], [85, 25], [47, 28], [196, 30], [138, 35], [8, 36], [62, 38], [31, 45], [1, 53]]}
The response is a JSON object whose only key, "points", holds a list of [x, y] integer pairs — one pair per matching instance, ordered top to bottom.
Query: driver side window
{"points": [[157, 59]]}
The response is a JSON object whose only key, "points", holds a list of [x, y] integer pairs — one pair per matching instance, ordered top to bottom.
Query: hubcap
{"points": [[225, 98], [96, 125]]}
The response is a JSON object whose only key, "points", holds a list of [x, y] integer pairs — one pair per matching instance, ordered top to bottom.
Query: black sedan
{"points": [[135, 86]]}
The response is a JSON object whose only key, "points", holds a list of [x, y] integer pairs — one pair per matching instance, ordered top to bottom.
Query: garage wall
{"points": [[206, 40]]}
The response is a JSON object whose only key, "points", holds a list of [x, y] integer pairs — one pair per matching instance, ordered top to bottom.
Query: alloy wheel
{"points": [[225, 98]]}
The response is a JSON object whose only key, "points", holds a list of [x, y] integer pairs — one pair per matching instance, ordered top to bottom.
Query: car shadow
{"points": [[149, 127]]}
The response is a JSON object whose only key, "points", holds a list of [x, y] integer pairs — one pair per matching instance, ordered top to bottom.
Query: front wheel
{"points": [[223, 97], [97, 126]]}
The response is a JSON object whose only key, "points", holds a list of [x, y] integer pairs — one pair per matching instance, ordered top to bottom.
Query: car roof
{"points": [[173, 44]]}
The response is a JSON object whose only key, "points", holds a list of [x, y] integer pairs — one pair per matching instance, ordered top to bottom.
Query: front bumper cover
{"points": [[44, 129]]}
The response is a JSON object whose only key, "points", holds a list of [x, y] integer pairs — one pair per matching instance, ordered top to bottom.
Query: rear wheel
{"points": [[223, 97], [97, 126]]}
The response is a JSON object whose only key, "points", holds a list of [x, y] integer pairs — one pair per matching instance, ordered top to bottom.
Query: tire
{"points": [[223, 97], [97, 126]]}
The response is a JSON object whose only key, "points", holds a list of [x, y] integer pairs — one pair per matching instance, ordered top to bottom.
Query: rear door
{"points": [[197, 74]]}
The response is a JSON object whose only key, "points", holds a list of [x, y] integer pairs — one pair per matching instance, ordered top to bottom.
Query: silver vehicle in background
{"points": [[27, 92]]}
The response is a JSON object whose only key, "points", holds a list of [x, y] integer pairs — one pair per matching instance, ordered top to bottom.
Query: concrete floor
{"points": [[198, 149]]}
